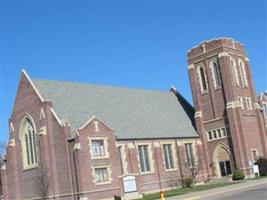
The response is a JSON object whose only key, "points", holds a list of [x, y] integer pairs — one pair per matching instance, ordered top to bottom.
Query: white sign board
{"points": [[256, 169], [129, 184]]}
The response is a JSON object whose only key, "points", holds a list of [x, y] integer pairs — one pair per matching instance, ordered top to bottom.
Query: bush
{"points": [[262, 162], [238, 175], [188, 181]]}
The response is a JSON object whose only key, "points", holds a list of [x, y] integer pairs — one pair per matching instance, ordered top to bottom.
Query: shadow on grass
{"points": [[181, 191]]}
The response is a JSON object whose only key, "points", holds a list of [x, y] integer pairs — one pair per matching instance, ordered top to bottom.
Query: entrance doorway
{"points": [[222, 161], [225, 168]]}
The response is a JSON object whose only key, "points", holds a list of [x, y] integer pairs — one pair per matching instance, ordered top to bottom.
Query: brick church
{"points": [[90, 142]]}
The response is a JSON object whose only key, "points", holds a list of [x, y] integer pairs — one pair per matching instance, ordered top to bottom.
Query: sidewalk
{"points": [[220, 190]]}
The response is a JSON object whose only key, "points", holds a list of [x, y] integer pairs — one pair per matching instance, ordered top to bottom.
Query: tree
{"points": [[2, 150], [194, 166], [174, 180], [42, 183]]}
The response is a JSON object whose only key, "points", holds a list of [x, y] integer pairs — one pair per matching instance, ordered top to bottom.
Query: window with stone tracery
{"points": [[202, 79], [28, 142]]}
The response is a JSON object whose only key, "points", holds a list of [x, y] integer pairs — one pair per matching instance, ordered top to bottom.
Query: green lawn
{"points": [[180, 191]]}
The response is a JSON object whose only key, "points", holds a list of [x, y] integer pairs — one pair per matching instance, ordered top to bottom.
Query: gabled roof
{"points": [[132, 113]]}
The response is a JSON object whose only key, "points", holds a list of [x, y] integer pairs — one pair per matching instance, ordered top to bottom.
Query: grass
{"points": [[180, 191]]}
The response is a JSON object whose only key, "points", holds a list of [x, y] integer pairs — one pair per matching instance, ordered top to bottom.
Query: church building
{"points": [[91, 142]]}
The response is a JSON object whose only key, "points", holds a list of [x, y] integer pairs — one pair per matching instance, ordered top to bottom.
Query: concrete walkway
{"points": [[219, 190]]}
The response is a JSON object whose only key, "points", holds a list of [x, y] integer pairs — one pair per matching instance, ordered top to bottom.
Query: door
{"points": [[225, 168]]}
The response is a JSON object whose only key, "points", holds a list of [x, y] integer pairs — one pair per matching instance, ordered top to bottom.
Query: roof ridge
{"points": [[102, 85]]}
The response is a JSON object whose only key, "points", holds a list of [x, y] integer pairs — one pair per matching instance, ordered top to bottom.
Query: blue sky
{"points": [[141, 44]]}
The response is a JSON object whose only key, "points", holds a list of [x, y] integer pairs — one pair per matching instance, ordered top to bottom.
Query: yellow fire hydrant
{"points": [[162, 194]]}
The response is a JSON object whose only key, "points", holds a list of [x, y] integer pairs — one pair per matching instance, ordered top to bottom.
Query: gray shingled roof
{"points": [[132, 113]]}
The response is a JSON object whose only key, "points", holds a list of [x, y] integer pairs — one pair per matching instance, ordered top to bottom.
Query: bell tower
{"points": [[227, 115]]}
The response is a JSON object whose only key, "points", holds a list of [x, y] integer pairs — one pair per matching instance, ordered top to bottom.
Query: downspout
{"points": [[156, 157], [179, 162], [75, 168], [139, 173]]}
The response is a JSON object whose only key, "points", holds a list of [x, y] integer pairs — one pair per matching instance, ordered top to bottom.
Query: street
{"points": [[249, 190], [258, 192]]}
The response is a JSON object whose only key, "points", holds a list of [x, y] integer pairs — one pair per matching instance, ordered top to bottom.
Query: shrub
{"points": [[262, 162], [238, 175], [188, 181]]}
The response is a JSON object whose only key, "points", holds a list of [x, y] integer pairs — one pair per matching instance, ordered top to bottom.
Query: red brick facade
{"points": [[233, 105], [68, 163], [71, 167]]}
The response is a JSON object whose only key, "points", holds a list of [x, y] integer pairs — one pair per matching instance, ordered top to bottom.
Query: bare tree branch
{"points": [[194, 167], [42, 183]]}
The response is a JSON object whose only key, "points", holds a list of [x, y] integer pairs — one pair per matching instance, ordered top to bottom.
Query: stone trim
{"points": [[223, 54], [191, 66], [34, 88], [232, 104], [257, 106], [198, 114], [42, 115], [56, 116], [92, 119], [212, 120], [11, 127], [42, 130], [105, 142], [193, 142], [199, 142], [12, 143], [156, 143], [179, 143], [130, 145], [77, 146], [257, 153], [174, 155], [150, 157], [123, 158], [3, 167], [109, 171], [72, 194]]}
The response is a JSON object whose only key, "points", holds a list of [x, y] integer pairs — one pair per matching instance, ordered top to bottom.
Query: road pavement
{"points": [[249, 190]]}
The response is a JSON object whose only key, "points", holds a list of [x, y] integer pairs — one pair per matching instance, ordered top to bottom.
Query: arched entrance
{"points": [[222, 160]]}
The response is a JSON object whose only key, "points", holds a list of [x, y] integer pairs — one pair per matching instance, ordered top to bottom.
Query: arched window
{"points": [[234, 72], [243, 73], [216, 74], [202, 79], [28, 142]]}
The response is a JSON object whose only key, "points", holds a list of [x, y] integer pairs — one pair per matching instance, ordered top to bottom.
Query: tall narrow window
{"points": [[234, 72], [216, 74], [243, 74], [202, 79], [240, 101], [248, 103], [224, 132], [210, 135], [28, 142], [98, 148], [189, 154], [168, 157], [144, 158], [121, 162], [101, 175]]}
